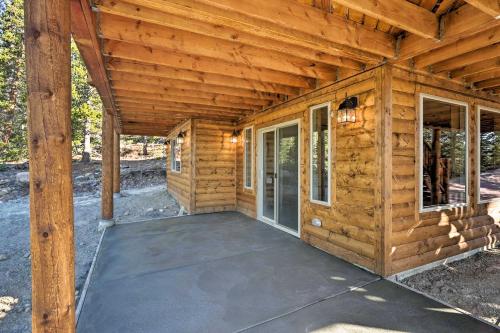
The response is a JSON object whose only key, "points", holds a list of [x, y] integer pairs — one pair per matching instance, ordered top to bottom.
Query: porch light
{"points": [[347, 111], [234, 136], [180, 137], [166, 142]]}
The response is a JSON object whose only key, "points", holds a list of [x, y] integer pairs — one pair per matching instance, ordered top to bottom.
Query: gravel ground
{"points": [[144, 196], [471, 284]]}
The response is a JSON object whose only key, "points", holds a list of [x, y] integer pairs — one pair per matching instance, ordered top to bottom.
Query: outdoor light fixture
{"points": [[346, 112], [234, 136], [180, 137], [167, 143]]}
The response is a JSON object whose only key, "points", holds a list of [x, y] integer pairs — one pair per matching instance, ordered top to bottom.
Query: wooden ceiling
{"points": [[158, 62]]}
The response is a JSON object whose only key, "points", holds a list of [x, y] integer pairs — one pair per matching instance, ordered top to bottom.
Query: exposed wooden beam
{"points": [[490, 7], [400, 13], [156, 17], [286, 21], [463, 22], [155, 36], [459, 47], [145, 54], [469, 58], [116, 65], [479, 67], [48, 72], [486, 75], [491, 83], [181, 84], [153, 89], [182, 99], [138, 113], [148, 132]]}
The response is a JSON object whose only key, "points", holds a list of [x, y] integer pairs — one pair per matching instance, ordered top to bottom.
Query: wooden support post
{"points": [[48, 67], [116, 163], [107, 165], [383, 190]]}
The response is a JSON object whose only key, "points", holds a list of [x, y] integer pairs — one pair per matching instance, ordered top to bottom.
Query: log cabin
{"points": [[368, 129]]}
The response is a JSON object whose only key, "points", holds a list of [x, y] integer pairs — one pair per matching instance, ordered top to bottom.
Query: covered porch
{"points": [[226, 272]]}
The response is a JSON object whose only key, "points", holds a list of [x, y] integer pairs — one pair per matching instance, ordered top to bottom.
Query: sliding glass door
{"points": [[279, 177]]}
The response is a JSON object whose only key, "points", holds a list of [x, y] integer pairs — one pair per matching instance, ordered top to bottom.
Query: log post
{"points": [[48, 69], [116, 163], [107, 165]]}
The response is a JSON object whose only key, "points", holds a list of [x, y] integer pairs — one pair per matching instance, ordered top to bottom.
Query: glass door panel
{"points": [[268, 169], [288, 176]]}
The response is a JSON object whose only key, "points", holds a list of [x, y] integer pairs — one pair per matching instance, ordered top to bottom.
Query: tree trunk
{"points": [[144, 145], [87, 147]]}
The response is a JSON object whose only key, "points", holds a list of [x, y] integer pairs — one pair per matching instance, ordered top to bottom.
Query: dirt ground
{"points": [[143, 196], [471, 284]]}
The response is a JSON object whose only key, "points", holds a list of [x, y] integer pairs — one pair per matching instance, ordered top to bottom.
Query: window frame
{"points": [[478, 153], [172, 157], [245, 162], [329, 167], [439, 208]]}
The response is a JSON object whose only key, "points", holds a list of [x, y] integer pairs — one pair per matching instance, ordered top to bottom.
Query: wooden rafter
{"points": [[490, 7], [400, 13], [469, 58], [476, 68]]}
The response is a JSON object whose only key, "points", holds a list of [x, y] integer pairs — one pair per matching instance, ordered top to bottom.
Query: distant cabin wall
{"points": [[179, 184], [214, 188], [349, 224], [421, 238]]}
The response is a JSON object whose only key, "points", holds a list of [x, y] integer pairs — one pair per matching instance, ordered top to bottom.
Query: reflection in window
{"points": [[489, 140], [444, 148], [175, 156], [320, 158], [247, 163]]}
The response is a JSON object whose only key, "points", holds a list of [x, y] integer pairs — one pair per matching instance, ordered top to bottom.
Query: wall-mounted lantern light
{"points": [[347, 110], [234, 136], [180, 137], [166, 142]]}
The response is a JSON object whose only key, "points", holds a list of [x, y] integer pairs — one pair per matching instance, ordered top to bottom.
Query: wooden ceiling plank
{"points": [[490, 7], [399, 13], [145, 14], [286, 21], [463, 22], [154, 36], [459, 47], [145, 54], [469, 58], [479, 67], [158, 71], [486, 75], [203, 87], [152, 89], [175, 98], [154, 106]]}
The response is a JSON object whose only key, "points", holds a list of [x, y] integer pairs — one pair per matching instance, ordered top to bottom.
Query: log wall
{"points": [[214, 168], [179, 183], [421, 238]]}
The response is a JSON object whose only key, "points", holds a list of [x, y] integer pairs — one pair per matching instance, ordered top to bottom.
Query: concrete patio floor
{"points": [[225, 272]]}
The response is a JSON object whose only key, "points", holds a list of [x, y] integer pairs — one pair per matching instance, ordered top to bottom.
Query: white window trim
{"points": [[311, 111], [421, 152], [478, 153], [172, 162], [245, 166]]}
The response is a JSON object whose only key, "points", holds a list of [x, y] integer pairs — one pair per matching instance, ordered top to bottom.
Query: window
{"points": [[320, 153], [443, 153], [489, 154], [175, 156], [247, 157]]}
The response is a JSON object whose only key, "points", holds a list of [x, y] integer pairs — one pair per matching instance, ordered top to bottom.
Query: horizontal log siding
{"points": [[215, 167], [179, 184], [348, 229], [421, 238]]}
